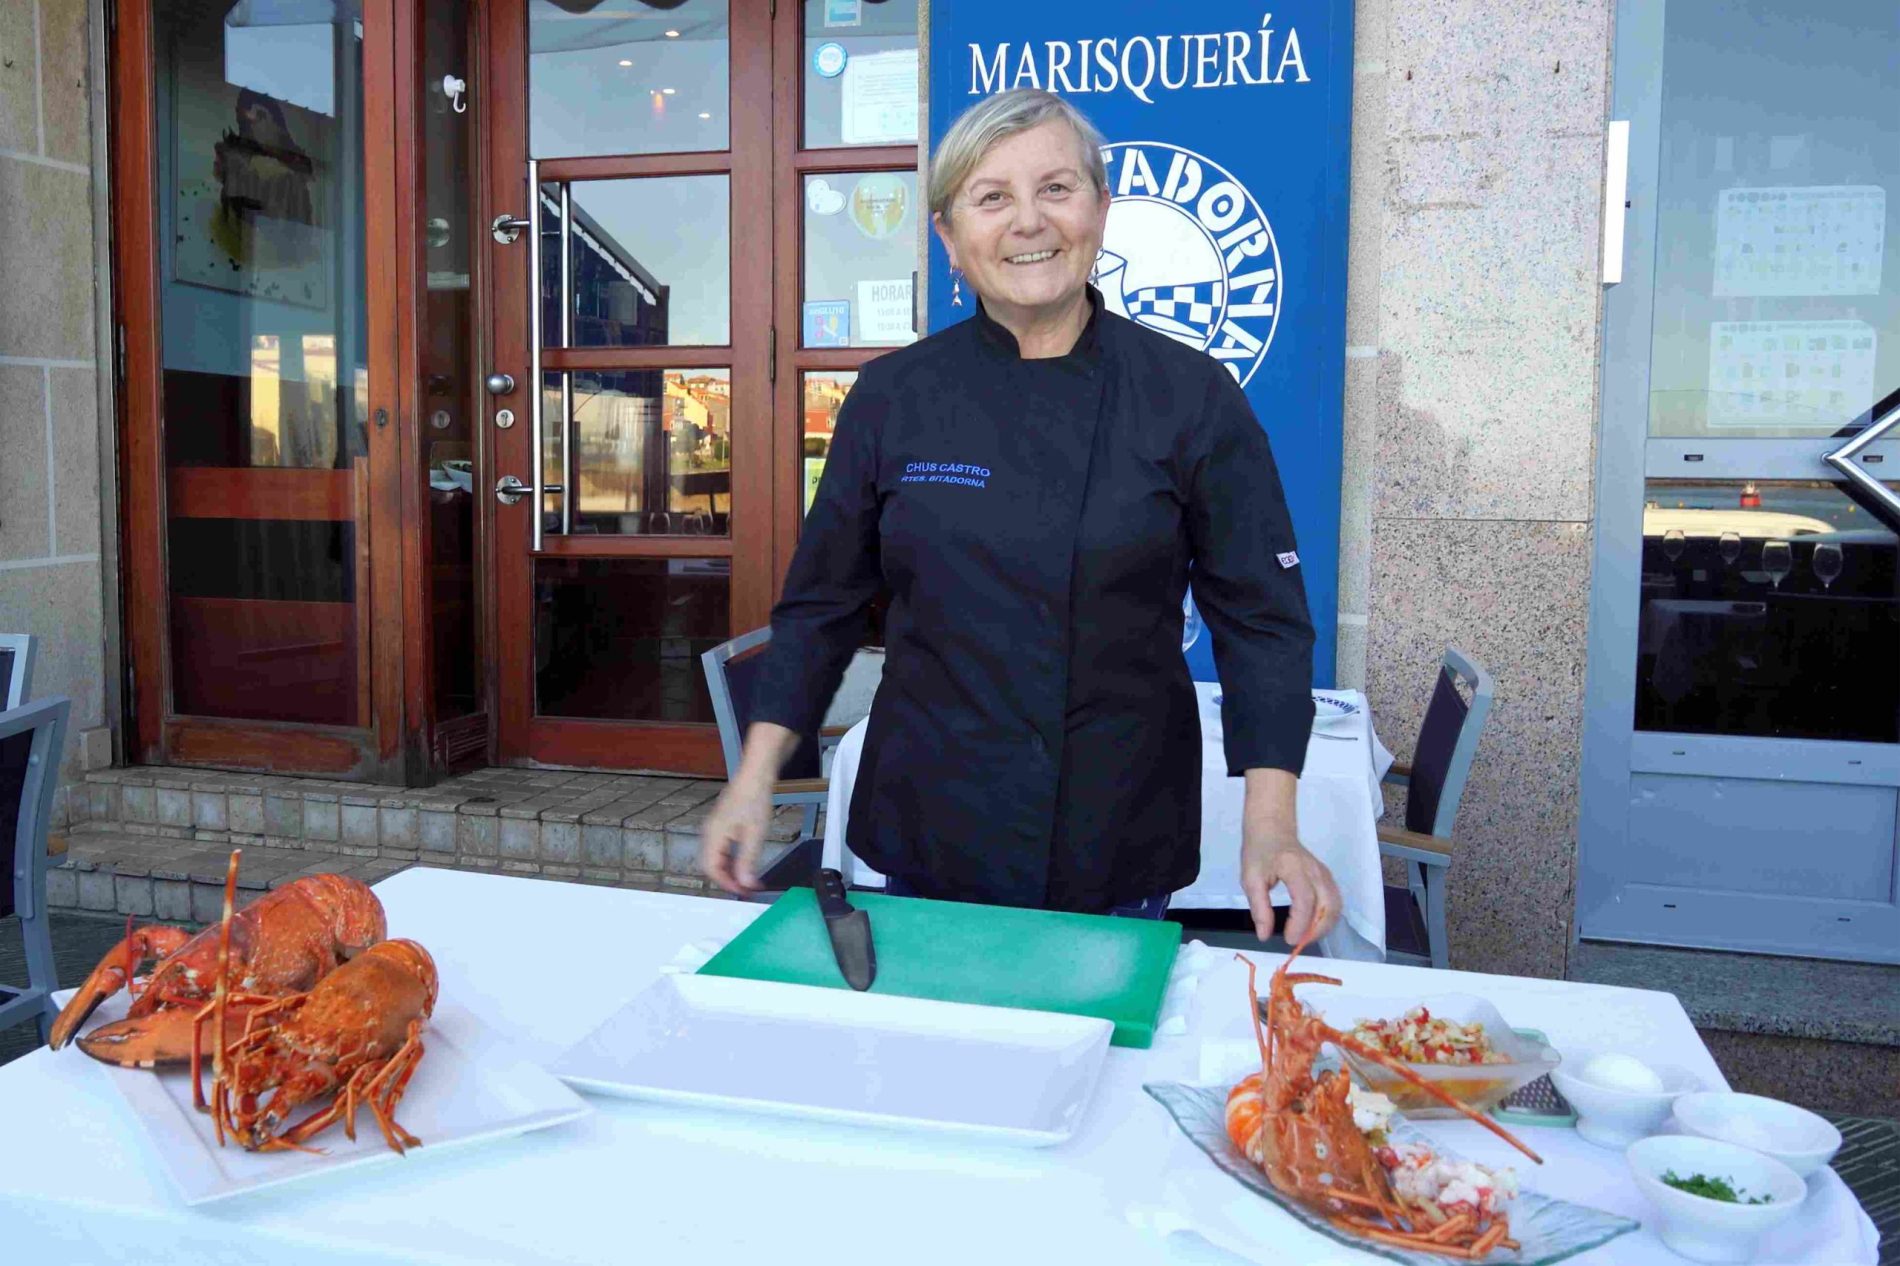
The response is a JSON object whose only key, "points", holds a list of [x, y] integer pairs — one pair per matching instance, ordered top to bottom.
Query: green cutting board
{"points": [[998, 956]]}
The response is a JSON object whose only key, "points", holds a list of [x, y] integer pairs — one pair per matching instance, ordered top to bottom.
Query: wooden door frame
{"points": [[791, 163], [157, 736], [522, 737]]}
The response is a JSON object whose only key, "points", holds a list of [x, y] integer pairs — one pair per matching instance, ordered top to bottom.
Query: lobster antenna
{"points": [[221, 988]]}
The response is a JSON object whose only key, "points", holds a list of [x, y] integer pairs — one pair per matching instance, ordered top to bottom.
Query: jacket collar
{"points": [[1084, 355]]}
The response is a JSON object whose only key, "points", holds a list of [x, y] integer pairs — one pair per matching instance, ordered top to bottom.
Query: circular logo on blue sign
{"points": [[828, 59], [1189, 252]]}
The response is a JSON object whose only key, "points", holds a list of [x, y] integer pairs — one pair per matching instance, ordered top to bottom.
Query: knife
{"points": [[850, 930]]}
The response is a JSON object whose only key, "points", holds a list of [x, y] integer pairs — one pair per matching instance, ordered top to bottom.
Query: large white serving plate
{"points": [[1022, 1077], [467, 1089]]}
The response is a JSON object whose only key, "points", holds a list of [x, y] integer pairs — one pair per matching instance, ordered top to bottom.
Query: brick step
{"points": [[631, 830], [181, 881]]}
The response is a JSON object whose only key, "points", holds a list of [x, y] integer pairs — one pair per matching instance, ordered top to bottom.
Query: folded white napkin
{"points": [[1184, 982]]}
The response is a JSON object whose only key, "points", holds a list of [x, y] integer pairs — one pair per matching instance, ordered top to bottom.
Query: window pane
{"points": [[860, 73], [621, 77], [860, 259], [652, 263], [1775, 312], [262, 317], [825, 391], [652, 451], [1767, 609], [620, 639]]}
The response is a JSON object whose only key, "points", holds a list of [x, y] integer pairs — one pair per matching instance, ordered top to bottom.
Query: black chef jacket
{"points": [[1035, 738]]}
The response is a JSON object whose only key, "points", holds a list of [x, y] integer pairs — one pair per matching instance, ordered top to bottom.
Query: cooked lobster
{"points": [[284, 942], [356, 1036], [1299, 1129]]}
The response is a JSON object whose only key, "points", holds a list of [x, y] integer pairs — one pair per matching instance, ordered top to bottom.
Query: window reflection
{"points": [[824, 396], [652, 451], [1768, 609], [620, 639]]}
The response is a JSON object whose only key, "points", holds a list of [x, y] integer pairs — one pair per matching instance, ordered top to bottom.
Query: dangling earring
{"points": [[956, 287]]}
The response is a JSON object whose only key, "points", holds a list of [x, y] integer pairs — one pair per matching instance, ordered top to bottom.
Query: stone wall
{"points": [[1472, 332], [54, 534]]}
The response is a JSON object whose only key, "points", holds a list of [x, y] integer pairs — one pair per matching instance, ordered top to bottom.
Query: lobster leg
{"points": [[115, 972]]}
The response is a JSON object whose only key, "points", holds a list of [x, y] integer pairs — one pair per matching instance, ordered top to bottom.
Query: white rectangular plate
{"points": [[1022, 1077], [467, 1089]]}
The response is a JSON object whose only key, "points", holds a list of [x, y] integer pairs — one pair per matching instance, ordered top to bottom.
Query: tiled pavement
{"points": [[153, 842]]}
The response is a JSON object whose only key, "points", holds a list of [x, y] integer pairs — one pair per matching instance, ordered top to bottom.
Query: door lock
{"points": [[504, 418], [510, 490]]}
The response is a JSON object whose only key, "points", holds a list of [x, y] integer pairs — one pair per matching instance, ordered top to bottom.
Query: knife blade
{"points": [[850, 931]]}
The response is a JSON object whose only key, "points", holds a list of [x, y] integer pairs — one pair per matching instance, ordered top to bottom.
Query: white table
{"points": [[1339, 808], [543, 963]]}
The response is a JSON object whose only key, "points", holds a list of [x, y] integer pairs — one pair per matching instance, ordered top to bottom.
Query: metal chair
{"points": [[730, 668], [16, 669], [31, 740], [1434, 782]]}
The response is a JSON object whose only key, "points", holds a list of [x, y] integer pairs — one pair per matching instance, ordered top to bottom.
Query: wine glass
{"points": [[1672, 544], [1731, 547], [1777, 559], [1827, 561], [1190, 622]]}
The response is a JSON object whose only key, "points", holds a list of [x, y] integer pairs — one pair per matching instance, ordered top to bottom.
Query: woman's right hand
{"points": [[733, 834]]}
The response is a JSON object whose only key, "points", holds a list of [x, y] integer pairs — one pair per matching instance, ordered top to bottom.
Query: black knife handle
{"points": [[831, 902]]}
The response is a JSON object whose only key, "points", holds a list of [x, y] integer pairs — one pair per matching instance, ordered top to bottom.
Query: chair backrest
{"points": [[16, 669], [730, 671], [31, 740], [1447, 743]]}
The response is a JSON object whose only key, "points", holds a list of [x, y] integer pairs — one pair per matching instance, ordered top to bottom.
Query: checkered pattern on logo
{"points": [[1192, 307]]}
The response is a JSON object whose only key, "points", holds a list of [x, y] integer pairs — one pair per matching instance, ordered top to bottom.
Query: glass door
{"points": [[629, 145], [256, 398], [1741, 787]]}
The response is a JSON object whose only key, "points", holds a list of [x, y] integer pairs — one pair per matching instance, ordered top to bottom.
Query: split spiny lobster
{"points": [[283, 942], [1299, 1129]]}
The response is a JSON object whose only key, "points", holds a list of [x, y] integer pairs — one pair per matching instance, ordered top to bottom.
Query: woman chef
{"points": [[1034, 487]]}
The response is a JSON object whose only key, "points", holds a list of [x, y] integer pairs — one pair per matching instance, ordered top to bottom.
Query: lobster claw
{"points": [[140, 946], [161, 1039]]}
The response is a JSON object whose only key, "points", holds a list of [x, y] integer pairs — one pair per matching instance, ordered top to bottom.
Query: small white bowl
{"points": [[1617, 1118], [1794, 1136], [1713, 1230]]}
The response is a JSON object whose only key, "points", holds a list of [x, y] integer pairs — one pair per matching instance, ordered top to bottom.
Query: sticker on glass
{"points": [[844, 12], [828, 59], [821, 198], [879, 203], [828, 323]]}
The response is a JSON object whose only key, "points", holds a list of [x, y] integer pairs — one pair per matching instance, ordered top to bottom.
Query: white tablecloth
{"points": [[1339, 808], [544, 963]]}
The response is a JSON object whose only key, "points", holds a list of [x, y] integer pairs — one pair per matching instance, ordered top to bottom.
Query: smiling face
{"points": [[1026, 226]]}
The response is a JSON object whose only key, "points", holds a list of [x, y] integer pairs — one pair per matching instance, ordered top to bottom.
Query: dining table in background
{"points": [[1339, 809], [541, 964]]}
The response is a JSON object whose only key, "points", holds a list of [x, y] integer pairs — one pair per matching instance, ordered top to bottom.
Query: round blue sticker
{"points": [[828, 59]]}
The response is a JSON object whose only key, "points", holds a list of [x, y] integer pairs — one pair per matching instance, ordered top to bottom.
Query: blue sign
{"points": [[1228, 164], [827, 323]]}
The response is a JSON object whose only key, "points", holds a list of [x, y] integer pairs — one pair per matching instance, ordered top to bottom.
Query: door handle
{"points": [[506, 228], [1842, 460], [509, 490]]}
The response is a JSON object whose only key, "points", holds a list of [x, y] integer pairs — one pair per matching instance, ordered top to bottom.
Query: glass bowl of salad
{"points": [[1457, 1042]]}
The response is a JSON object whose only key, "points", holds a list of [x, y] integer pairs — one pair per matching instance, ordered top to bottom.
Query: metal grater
{"points": [[1537, 1102]]}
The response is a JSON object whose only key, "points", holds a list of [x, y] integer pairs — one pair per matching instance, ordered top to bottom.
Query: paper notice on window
{"points": [[880, 99], [1826, 240], [884, 313], [1788, 374]]}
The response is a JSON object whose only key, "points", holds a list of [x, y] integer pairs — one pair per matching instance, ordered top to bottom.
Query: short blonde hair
{"points": [[998, 118]]}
